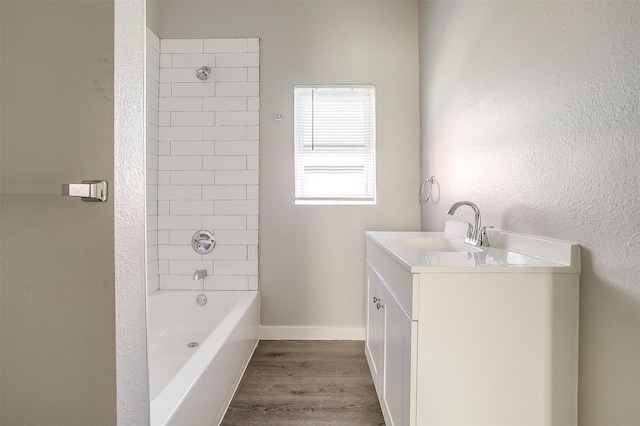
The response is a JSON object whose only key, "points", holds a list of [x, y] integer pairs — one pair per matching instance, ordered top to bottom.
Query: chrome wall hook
{"points": [[429, 181]]}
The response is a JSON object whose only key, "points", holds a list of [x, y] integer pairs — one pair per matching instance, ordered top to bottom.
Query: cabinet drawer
{"points": [[399, 280]]}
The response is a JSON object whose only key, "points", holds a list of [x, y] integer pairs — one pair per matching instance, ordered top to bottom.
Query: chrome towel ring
{"points": [[429, 181]]}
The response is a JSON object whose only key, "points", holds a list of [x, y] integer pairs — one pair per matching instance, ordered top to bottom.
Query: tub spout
{"points": [[200, 274]]}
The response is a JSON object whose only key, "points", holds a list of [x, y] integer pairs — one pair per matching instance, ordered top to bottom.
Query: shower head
{"points": [[203, 73]]}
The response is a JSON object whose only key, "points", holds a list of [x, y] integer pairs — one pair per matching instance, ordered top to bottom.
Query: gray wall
{"points": [[152, 15], [531, 109], [312, 257], [57, 278]]}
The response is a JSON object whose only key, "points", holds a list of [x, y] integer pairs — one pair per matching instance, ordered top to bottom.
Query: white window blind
{"points": [[335, 139]]}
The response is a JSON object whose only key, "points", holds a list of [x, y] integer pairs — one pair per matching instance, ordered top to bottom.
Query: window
{"points": [[335, 138]]}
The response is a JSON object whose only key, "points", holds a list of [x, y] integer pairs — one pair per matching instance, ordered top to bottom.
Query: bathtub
{"points": [[193, 385]]}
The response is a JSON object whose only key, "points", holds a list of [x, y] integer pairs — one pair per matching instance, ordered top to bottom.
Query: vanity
{"points": [[458, 334]]}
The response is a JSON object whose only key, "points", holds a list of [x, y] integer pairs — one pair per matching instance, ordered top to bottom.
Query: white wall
{"points": [[531, 110], [129, 227], [312, 257]]}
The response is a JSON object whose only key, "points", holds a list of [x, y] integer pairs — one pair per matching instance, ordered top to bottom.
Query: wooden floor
{"points": [[293, 382]]}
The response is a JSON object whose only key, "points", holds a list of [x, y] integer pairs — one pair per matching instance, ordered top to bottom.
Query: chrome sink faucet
{"points": [[476, 234]]}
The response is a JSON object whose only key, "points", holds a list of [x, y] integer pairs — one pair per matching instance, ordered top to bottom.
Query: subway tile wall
{"points": [[152, 93], [207, 163]]}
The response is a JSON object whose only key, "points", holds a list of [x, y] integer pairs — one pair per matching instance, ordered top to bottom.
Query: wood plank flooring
{"points": [[294, 382]]}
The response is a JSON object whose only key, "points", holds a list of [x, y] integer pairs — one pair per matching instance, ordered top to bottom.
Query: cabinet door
{"points": [[375, 328], [397, 363]]}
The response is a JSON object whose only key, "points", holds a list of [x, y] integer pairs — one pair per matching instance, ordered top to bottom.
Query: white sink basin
{"points": [[438, 245], [435, 252]]}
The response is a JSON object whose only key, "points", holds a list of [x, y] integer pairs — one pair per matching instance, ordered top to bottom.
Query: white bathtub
{"points": [[193, 386]]}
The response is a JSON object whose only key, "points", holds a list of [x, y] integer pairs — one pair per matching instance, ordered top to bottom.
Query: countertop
{"points": [[509, 252]]}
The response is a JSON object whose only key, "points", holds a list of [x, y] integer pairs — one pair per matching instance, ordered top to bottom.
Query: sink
{"points": [[438, 245], [430, 252]]}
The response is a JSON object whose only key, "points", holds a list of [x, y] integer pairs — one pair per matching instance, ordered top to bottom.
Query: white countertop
{"points": [[509, 252]]}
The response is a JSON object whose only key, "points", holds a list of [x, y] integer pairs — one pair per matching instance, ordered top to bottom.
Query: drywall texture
{"points": [[532, 110], [129, 216], [312, 257], [57, 280]]}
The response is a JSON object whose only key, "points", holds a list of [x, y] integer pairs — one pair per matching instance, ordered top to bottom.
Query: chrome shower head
{"points": [[203, 73]]}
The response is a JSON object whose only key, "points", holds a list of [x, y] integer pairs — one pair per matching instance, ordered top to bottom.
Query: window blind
{"points": [[334, 136]]}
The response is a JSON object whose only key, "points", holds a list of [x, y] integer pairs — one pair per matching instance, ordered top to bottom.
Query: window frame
{"points": [[341, 159]]}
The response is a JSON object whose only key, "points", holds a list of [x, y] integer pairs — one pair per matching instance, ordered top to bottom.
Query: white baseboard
{"points": [[311, 333]]}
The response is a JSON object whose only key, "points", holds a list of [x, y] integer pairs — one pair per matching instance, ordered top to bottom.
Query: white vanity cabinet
{"points": [[477, 338], [389, 343]]}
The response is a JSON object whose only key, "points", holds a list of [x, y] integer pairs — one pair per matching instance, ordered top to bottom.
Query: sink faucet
{"points": [[476, 234]]}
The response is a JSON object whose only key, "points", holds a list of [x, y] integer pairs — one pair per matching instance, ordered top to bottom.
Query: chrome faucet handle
{"points": [[484, 239]]}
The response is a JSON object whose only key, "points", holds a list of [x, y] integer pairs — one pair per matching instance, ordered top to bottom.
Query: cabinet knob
{"points": [[375, 299], [379, 305]]}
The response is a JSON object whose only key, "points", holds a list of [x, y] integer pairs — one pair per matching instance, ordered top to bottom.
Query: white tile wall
{"points": [[228, 45], [181, 46], [192, 60], [180, 90], [226, 103], [253, 104], [237, 118], [192, 119], [229, 133], [152, 147], [237, 147], [191, 148], [206, 161], [185, 162], [224, 162], [246, 177], [193, 178], [179, 192], [224, 192], [190, 207], [221, 222], [252, 222]]}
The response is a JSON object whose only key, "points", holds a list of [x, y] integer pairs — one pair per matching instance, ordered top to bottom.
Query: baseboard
{"points": [[311, 333]]}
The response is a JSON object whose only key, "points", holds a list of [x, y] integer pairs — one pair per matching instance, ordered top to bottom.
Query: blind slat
{"points": [[334, 129]]}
